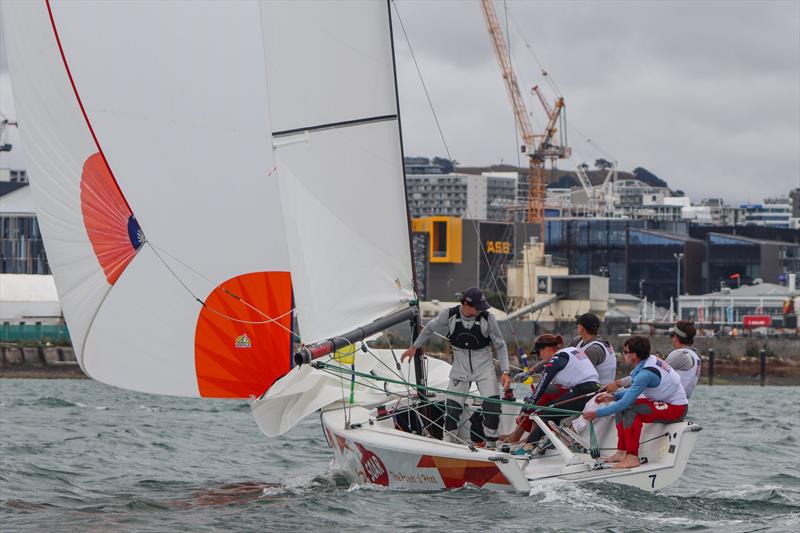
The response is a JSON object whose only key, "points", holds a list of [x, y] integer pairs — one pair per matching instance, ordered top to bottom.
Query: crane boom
{"points": [[504, 59], [538, 147]]}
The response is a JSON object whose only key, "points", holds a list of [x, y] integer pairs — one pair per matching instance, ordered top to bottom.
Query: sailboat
{"points": [[221, 194]]}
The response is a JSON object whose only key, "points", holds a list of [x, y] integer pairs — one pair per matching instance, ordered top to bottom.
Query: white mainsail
{"points": [[201, 168]]}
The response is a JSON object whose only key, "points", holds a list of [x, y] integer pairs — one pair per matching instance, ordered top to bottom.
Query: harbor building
{"points": [[775, 212], [597, 245], [21, 247], [460, 253], [737, 260], [657, 261], [729, 306]]}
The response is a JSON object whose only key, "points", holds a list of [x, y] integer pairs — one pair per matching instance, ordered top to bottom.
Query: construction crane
{"points": [[539, 147], [600, 199]]}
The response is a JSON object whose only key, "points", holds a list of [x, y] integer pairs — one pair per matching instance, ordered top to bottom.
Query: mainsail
{"points": [[204, 170]]}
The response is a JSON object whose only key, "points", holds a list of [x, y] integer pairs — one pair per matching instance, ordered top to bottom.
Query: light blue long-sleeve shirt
{"points": [[624, 398]]}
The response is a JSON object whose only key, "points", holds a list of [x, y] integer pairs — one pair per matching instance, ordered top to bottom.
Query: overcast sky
{"points": [[705, 94]]}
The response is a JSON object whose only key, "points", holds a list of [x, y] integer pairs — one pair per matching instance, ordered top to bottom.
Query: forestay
{"points": [[201, 168]]}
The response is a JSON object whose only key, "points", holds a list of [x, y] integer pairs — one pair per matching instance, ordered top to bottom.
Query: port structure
{"points": [[539, 147]]}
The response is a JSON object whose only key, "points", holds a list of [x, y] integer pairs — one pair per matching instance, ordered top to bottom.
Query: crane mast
{"points": [[538, 147]]}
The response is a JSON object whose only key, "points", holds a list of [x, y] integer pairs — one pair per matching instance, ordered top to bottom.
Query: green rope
{"points": [[555, 410], [594, 446]]}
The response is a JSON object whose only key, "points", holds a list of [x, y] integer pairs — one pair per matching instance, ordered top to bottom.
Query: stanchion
{"points": [[762, 354]]}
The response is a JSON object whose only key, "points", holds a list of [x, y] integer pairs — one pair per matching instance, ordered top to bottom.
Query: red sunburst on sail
{"points": [[113, 231], [243, 335]]}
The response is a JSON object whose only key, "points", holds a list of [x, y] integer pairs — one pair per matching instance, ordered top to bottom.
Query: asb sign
{"points": [[756, 321]]}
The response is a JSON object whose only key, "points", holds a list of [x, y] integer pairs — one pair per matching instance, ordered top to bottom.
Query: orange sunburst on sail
{"points": [[113, 231], [243, 335]]}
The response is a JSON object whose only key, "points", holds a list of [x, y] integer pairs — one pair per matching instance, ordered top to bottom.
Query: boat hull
{"points": [[377, 453]]}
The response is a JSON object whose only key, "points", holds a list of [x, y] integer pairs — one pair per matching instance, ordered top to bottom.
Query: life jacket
{"points": [[474, 338], [578, 370], [607, 370], [690, 376], [670, 390]]}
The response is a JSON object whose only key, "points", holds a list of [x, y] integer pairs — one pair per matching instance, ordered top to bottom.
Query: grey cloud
{"points": [[706, 94]]}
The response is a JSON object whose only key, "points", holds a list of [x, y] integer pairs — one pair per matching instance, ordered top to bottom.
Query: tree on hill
{"points": [[644, 175], [565, 181]]}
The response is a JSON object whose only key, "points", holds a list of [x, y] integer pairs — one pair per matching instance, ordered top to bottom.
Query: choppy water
{"points": [[78, 455]]}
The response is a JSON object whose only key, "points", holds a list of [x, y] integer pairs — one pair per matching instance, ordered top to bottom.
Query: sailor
{"points": [[471, 330], [599, 350], [683, 359], [570, 370], [664, 400]]}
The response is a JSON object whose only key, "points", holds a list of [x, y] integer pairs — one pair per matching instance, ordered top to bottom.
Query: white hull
{"points": [[378, 453]]}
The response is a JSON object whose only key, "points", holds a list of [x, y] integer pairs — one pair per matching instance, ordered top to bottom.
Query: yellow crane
{"points": [[538, 146]]}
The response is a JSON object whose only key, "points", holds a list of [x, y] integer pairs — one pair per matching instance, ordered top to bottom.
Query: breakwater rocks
{"points": [[21, 361]]}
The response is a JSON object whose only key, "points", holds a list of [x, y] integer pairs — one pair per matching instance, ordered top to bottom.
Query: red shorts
{"points": [[546, 399]]}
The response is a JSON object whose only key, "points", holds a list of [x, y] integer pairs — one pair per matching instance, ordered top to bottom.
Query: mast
{"points": [[419, 367]]}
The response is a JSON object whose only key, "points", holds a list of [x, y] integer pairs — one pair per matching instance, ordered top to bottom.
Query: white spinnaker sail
{"points": [[161, 116]]}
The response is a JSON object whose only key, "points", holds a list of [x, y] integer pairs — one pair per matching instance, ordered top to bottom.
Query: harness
{"points": [[474, 338]]}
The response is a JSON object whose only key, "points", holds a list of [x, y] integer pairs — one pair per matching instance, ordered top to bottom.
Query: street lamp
{"points": [[678, 258]]}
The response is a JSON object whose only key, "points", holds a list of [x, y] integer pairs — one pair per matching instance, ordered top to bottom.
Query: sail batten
{"points": [[342, 124]]}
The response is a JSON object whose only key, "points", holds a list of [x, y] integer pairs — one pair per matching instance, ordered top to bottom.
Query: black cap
{"points": [[474, 297], [589, 321]]}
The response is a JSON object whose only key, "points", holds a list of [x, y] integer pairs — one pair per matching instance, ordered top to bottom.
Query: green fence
{"points": [[37, 331]]}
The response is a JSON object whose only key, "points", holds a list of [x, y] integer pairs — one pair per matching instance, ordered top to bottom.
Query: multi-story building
{"points": [[421, 165], [436, 194], [492, 195], [488, 196], [794, 198], [775, 212], [722, 214], [598, 245], [21, 247], [653, 260], [737, 260]]}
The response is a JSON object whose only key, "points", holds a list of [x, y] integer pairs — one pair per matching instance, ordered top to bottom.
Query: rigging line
{"points": [[419, 73], [520, 75], [546, 76], [589, 141], [221, 287], [206, 306], [389, 342], [394, 372], [414, 408], [555, 410]]}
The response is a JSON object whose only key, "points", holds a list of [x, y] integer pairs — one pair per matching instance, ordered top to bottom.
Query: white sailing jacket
{"points": [[578, 370], [607, 370], [670, 390]]}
